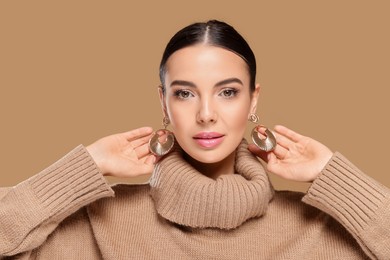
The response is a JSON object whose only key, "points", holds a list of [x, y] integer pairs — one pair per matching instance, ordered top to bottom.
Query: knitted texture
{"points": [[185, 196], [355, 200], [40, 203], [68, 212]]}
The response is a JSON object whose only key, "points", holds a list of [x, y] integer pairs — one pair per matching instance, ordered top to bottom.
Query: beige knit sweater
{"points": [[68, 212]]}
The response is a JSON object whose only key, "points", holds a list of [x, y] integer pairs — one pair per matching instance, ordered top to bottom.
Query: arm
{"points": [[359, 203], [31, 211]]}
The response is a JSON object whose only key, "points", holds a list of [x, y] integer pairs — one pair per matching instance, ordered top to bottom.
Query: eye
{"points": [[229, 92], [183, 94]]}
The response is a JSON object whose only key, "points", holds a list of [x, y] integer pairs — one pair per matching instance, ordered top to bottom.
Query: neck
{"points": [[213, 170], [187, 197]]}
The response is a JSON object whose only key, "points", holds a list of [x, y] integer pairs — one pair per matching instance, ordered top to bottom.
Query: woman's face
{"points": [[208, 100]]}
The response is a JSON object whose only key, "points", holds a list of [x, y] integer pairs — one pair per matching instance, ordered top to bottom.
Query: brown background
{"points": [[74, 71]]}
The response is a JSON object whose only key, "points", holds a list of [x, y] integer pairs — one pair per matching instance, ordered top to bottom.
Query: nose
{"points": [[206, 113]]}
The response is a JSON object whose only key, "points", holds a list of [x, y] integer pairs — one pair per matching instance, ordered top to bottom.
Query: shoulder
{"points": [[4, 191], [131, 192], [129, 198], [286, 198], [290, 204], [288, 207]]}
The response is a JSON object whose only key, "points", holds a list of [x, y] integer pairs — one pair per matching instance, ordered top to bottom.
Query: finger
{"points": [[137, 133], [293, 136], [280, 139], [140, 141], [283, 141], [142, 151], [280, 151], [258, 152], [150, 159], [272, 159], [147, 164], [273, 164]]}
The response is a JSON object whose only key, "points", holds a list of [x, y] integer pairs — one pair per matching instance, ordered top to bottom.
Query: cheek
{"points": [[180, 115], [236, 115]]}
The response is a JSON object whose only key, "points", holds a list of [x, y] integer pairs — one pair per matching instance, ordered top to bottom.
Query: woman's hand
{"points": [[124, 155], [296, 157]]}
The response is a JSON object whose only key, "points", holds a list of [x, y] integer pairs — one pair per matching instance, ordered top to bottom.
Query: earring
{"points": [[269, 143], [157, 147]]}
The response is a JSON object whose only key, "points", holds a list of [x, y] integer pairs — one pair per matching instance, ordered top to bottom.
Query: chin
{"points": [[208, 157], [208, 160]]}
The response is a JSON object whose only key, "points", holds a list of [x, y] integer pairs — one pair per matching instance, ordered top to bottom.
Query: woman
{"points": [[209, 196]]}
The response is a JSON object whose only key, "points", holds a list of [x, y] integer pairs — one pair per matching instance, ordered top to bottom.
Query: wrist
{"points": [[327, 157], [97, 158]]}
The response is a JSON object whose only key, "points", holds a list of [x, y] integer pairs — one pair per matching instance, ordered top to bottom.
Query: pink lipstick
{"points": [[208, 139]]}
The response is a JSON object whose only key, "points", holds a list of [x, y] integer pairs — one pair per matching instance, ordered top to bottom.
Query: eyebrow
{"points": [[193, 85]]}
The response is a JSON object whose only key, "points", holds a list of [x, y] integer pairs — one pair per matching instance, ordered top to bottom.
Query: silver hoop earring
{"points": [[269, 143], [157, 147]]}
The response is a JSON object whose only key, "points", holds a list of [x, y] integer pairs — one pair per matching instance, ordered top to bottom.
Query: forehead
{"points": [[205, 62]]}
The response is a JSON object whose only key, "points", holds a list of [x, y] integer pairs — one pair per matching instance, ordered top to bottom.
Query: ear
{"points": [[254, 97], [162, 100]]}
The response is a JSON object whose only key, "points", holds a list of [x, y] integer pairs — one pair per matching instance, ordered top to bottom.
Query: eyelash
{"points": [[180, 92], [233, 92]]}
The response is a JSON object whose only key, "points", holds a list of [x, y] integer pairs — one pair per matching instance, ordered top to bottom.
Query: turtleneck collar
{"points": [[185, 196]]}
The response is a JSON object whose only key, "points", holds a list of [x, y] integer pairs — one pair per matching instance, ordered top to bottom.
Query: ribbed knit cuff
{"points": [[69, 184], [347, 194], [32, 209]]}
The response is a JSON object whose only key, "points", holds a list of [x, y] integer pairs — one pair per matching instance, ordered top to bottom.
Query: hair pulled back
{"points": [[215, 33]]}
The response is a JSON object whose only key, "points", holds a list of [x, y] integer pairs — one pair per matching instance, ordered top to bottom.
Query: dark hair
{"points": [[215, 33]]}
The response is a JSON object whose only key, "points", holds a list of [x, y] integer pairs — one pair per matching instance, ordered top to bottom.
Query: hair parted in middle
{"points": [[215, 33]]}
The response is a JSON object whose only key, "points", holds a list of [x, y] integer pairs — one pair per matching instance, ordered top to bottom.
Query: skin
{"points": [[207, 90], [209, 105], [124, 155], [296, 157]]}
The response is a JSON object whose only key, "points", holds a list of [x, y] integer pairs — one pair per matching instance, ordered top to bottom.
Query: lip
{"points": [[208, 139]]}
